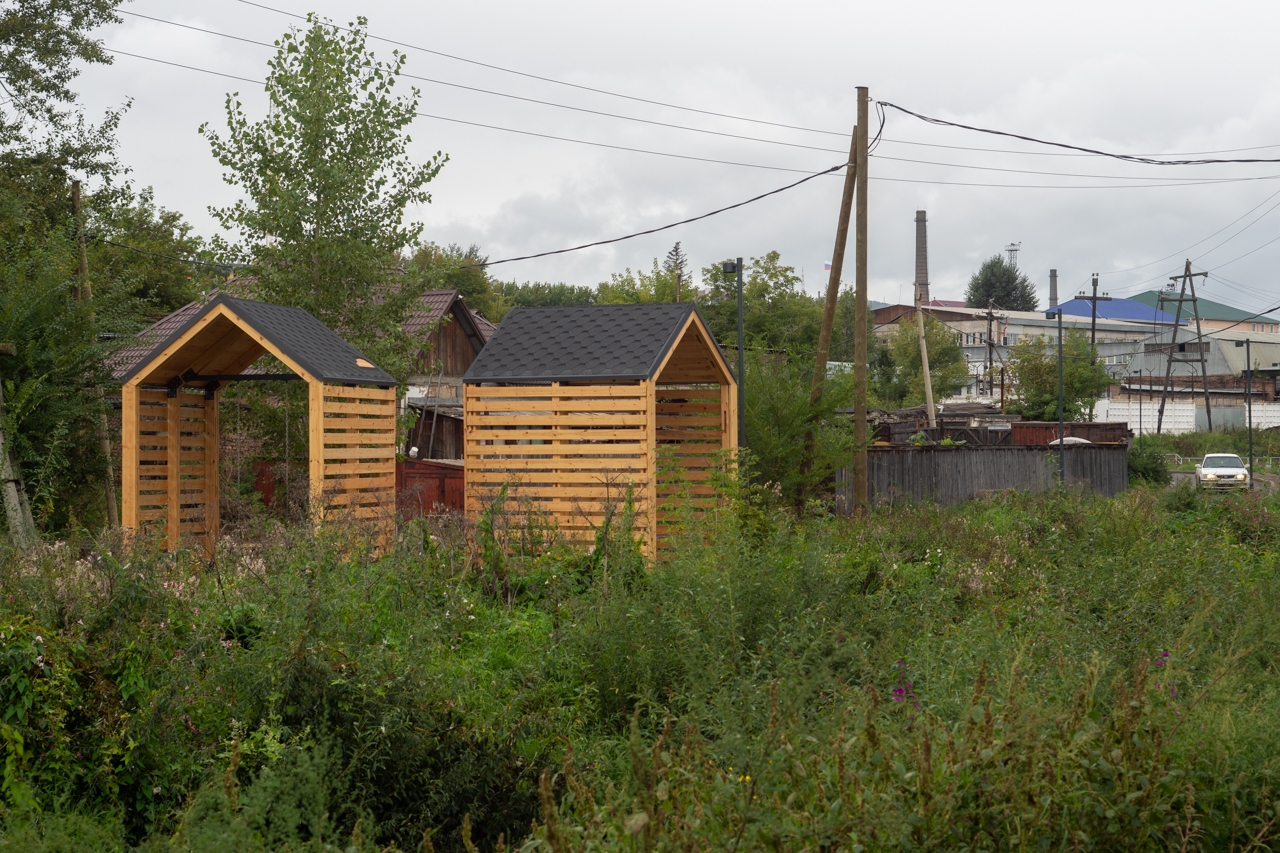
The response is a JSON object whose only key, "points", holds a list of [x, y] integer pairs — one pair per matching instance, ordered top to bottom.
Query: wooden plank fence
{"points": [[952, 475]]}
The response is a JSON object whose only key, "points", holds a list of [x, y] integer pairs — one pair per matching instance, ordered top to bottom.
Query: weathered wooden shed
{"points": [[570, 408], [169, 447]]}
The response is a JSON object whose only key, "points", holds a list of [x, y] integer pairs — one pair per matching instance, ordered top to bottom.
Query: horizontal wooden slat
{"points": [[368, 393], [576, 404], [687, 408], [364, 410], [558, 421], [680, 421], [361, 427], [519, 434], [359, 453], [516, 463], [380, 467], [595, 468], [619, 477], [355, 481], [378, 497], [339, 513]]}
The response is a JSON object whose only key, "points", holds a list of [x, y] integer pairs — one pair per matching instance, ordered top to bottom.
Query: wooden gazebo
{"points": [[572, 408], [169, 447]]}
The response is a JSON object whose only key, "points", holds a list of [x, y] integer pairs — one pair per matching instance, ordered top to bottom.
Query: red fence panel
{"points": [[427, 488]]}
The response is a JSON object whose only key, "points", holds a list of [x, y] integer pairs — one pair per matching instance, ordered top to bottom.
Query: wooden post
{"points": [[837, 266], [860, 312], [924, 363], [129, 415], [315, 449], [651, 455], [173, 459], [212, 472]]}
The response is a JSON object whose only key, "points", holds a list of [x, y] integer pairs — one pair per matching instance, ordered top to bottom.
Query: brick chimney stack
{"points": [[922, 258], [1053, 288]]}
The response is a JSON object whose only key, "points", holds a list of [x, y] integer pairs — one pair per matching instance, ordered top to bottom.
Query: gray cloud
{"points": [[1096, 74]]}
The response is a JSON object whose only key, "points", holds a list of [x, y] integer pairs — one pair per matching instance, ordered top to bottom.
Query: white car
{"points": [[1222, 471]]}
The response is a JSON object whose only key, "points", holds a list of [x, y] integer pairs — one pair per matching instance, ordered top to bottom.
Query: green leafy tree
{"points": [[326, 182], [453, 267], [1001, 284], [656, 285], [508, 295], [777, 314], [1033, 367], [897, 376], [779, 414]]}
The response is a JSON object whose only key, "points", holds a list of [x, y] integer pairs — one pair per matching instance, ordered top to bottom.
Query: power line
{"points": [[558, 82], [498, 94], [498, 127], [1060, 153], [1131, 158], [1038, 172], [1182, 182], [662, 227], [98, 239], [1198, 242]]}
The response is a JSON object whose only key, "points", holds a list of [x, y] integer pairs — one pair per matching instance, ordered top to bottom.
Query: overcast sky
{"points": [[1139, 77]]}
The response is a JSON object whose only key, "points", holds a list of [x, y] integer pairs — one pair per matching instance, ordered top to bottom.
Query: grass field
{"points": [[1051, 672]]}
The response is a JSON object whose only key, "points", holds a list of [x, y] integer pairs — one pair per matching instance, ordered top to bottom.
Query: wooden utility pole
{"points": [[837, 266], [84, 291], [860, 310], [991, 318], [1093, 320], [924, 363], [22, 528]]}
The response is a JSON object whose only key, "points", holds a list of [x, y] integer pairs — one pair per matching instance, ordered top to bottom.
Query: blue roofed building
{"points": [[1118, 309]]}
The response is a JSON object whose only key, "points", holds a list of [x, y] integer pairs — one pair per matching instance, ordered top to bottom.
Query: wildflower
{"points": [[39, 639], [156, 789]]}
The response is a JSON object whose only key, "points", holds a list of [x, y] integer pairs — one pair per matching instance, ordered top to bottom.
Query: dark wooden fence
{"points": [[951, 475]]}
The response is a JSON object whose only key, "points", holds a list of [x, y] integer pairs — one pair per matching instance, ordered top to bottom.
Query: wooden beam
{"points": [[129, 415], [315, 447], [173, 454], [212, 474]]}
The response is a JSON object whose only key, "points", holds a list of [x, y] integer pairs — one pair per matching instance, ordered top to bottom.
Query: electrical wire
{"points": [[409, 76], [558, 82], [499, 127], [1130, 158], [1038, 172], [1182, 182], [662, 227], [98, 239], [1198, 242]]}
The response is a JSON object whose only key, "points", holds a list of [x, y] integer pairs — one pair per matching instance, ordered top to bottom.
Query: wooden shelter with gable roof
{"points": [[571, 407], [169, 448]]}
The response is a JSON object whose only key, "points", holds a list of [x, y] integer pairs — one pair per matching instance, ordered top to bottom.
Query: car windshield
{"points": [[1222, 462]]}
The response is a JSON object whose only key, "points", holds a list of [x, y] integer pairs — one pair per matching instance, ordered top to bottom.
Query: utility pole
{"points": [[728, 267], [678, 274], [1188, 279], [833, 281], [84, 292], [921, 298], [1094, 300], [991, 304], [860, 311], [1062, 427]]}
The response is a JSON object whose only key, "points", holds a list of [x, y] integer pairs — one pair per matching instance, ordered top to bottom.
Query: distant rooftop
{"points": [[1118, 309], [1209, 310]]}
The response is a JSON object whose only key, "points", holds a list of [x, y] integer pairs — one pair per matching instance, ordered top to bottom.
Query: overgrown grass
{"points": [[1035, 672]]}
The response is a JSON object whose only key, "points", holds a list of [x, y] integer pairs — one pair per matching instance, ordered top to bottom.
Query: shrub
{"points": [[1147, 465]]}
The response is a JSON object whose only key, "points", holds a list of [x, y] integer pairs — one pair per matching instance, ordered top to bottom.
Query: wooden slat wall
{"points": [[692, 430], [568, 451], [353, 454], [171, 467]]}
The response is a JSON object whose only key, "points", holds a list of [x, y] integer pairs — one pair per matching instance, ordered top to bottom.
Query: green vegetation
{"points": [[999, 284], [1033, 368], [897, 372], [1048, 672]]}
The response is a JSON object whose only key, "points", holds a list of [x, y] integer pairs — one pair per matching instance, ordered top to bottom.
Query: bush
{"points": [[1146, 465]]}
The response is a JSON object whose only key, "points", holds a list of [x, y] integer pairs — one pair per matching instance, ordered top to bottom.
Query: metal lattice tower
{"points": [[1012, 250]]}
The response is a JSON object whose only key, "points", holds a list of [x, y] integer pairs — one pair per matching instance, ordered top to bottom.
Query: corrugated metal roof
{"points": [[1118, 309], [1209, 310], [581, 342], [312, 345]]}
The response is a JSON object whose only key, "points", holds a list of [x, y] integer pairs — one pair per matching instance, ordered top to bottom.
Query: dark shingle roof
{"points": [[598, 342], [315, 347]]}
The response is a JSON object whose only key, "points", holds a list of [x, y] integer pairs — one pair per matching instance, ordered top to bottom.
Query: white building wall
{"points": [[1179, 415]]}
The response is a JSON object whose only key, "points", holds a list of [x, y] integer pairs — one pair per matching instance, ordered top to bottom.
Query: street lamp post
{"points": [[1062, 438]]}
